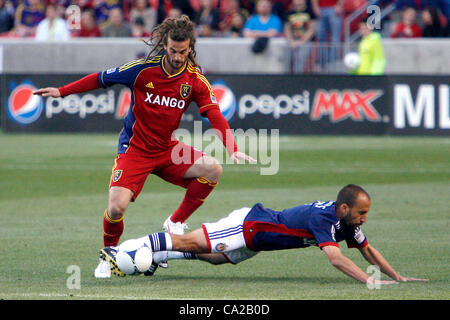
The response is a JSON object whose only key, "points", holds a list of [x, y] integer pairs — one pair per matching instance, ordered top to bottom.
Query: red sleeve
{"points": [[397, 30], [417, 31], [88, 83], [204, 95], [218, 122], [324, 244]]}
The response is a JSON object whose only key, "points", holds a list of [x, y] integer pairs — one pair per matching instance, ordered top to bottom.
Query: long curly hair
{"points": [[178, 29]]}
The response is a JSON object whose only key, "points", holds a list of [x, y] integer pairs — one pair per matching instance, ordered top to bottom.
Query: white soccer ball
{"points": [[352, 60], [132, 260]]}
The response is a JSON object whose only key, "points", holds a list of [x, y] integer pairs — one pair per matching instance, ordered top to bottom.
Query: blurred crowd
{"points": [[300, 21]]}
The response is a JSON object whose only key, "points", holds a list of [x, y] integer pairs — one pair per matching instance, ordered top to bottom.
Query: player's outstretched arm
{"points": [[88, 83], [48, 92], [222, 128], [237, 155], [194, 242], [374, 257], [348, 267]]}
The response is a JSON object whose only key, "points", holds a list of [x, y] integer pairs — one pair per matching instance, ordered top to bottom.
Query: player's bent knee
{"points": [[218, 170], [214, 172], [119, 199], [116, 212]]}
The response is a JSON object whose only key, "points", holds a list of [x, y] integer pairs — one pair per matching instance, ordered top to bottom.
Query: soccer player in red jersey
{"points": [[162, 85]]}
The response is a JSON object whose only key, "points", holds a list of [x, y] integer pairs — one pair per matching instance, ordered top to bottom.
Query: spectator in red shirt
{"points": [[84, 4], [230, 13], [88, 26], [408, 27]]}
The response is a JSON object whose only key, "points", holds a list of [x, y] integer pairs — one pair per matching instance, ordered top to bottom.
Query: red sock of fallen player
{"points": [[197, 191], [112, 230]]}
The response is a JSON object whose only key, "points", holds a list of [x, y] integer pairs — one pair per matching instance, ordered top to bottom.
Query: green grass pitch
{"points": [[53, 191]]}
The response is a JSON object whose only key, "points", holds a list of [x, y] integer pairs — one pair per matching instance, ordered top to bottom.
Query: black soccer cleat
{"points": [[151, 270]]}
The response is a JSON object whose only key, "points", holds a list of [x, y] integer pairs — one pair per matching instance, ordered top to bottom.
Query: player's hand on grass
{"points": [[48, 92], [236, 156], [407, 279], [373, 281], [386, 282]]}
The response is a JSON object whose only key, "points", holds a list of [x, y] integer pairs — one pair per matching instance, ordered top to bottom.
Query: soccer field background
{"points": [[53, 192]]}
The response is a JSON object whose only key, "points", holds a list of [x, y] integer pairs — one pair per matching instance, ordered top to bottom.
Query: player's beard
{"points": [[175, 65], [348, 220]]}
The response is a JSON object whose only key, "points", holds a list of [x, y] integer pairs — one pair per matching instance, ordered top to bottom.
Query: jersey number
{"points": [[323, 205]]}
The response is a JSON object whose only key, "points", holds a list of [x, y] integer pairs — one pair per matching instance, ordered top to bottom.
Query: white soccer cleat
{"points": [[174, 227], [103, 270]]}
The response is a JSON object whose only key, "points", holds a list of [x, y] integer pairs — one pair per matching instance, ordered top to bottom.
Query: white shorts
{"points": [[226, 236]]}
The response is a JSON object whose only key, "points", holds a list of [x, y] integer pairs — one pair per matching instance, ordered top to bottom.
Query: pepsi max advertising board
{"points": [[293, 104], [304, 104], [336, 104]]}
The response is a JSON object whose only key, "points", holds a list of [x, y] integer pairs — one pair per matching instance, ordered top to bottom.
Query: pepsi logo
{"points": [[225, 98], [22, 106]]}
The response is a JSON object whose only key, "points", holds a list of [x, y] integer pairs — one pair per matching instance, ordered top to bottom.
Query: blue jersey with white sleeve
{"points": [[298, 227]]}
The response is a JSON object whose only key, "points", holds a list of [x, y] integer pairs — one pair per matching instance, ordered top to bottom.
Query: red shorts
{"points": [[130, 170]]}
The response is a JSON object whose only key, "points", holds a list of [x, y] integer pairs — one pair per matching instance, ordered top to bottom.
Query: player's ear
{"points": [[165, 43], [343, 208]]}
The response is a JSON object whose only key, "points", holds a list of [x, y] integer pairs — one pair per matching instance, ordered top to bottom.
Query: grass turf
{"points": [[53, 191]]}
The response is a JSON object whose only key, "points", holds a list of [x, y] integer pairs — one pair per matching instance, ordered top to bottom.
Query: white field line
{"points": [[71, 296], [82, 296]]}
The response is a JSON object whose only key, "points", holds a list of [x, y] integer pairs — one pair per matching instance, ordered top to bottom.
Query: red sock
{"points": [[197, 191], [112, 230]]}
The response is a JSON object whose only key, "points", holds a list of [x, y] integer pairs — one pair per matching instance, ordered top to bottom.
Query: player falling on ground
{"points": [[162, 85], [246, 231]]}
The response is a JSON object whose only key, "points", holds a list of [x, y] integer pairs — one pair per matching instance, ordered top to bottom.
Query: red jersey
{"points": [[327, 3], [401, 31], [86, 33], [158, 102]]}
